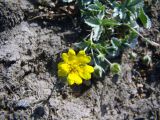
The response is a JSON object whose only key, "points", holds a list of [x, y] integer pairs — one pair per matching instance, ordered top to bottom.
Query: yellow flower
{"points": [[75, 67]]}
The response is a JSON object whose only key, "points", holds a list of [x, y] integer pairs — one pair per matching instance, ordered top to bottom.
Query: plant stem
{"points": [[145, 39], [85, 48], [93, 57], [104, 57], [107, 61]]}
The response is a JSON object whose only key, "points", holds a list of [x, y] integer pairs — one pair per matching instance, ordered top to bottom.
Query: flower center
{"points": [[73, 68]]}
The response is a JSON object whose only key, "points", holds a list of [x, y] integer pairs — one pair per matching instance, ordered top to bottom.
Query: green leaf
{"points": [[125, 3], [135, 3], [100, 5], [97, 6], [93, 7], [101, 15], [144, 19], [92, 21], [109, 22], [97, 31], [130, 40], [116, 42], [83, 44], [80, 45], [100, 47], [112, 51]]}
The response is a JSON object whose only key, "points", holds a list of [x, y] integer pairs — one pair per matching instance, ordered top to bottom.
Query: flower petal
{"points": [[71, 52], [81, 52], [65, 57], [72, 58], [83, 58], [63, 69], [88, 69], [84, 72], [85, 76], [74, 78]]}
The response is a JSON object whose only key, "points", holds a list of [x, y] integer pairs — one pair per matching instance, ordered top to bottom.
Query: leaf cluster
{"points": [[114, 26]]}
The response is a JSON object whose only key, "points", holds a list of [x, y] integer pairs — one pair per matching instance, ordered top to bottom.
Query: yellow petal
{"points": [[71, 52], [81, 52], [65, 57], [83, 58], [72, 59], [63, 69], [88, 69], [85, 71], [86, 76], [74, 78], [70, 79]]}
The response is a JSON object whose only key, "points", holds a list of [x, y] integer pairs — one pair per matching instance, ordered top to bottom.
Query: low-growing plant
{"points": [[115, 25]]}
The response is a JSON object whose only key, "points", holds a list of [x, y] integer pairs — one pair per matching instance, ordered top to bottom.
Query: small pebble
{"points": [[140, 85], [22, 104]]}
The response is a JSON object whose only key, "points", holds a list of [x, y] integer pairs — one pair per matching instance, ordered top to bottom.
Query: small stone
{"points": [[140, 85], [133, 91], [143, 95], [22, 104], [113, 112]]}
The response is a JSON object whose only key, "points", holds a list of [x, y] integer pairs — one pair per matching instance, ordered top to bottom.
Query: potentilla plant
{"points": [[115, 25]]}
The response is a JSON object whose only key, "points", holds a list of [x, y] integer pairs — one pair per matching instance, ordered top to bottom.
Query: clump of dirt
{"points": [[10, 14], [30, 88]]}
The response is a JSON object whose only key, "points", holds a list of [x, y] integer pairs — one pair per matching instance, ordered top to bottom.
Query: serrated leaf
{"points": [[125, 3], [135, 3], [100, 5], [93, 7], [101, 15], [144, 19], [92, 21], [109, 22], [97, 31], [130, 40], [133, 40], [116, 42], [133, 43], [83, 44], [80, 45], [100, 47], [112, 52]]}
